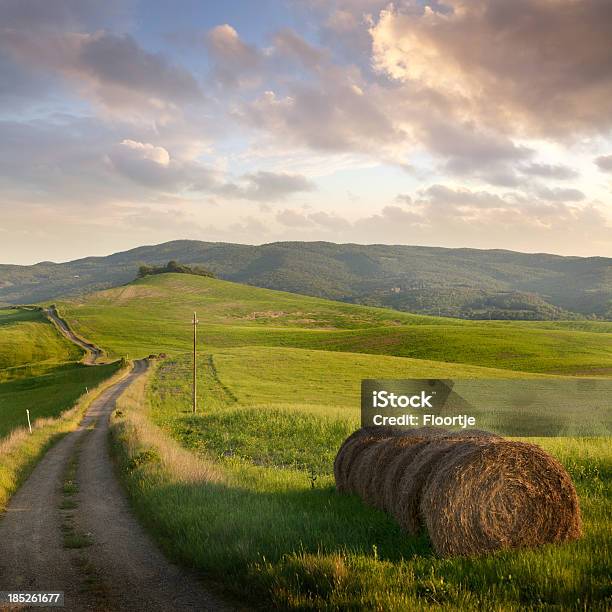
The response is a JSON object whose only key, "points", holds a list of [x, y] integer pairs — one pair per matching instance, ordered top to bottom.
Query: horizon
{"points": [[425, 122], [424, 246]]}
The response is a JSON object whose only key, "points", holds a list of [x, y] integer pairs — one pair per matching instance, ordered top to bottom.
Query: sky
{"points": [[456, 123]]}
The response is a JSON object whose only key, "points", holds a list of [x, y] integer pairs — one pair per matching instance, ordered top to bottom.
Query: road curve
{"points": [[92, 352], [127, 569]]}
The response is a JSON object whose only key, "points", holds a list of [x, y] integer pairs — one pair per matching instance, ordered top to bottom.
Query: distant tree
{"points": [[175, 268], [144, 271]]}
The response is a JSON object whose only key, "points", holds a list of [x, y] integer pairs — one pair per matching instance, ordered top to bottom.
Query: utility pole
{"points": [[195, 370]]}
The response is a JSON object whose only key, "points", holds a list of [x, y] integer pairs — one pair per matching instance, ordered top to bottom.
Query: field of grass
{"points": [[153, 315], [28, 340], [39, 369], [40, 372], [48, 394], [243, 490], [252, 504]]}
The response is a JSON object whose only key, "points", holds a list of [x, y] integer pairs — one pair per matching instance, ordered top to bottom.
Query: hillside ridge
{"points": [[462, 282]]}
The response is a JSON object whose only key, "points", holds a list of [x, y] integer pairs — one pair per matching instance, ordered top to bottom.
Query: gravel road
{"points": [[92, 352], [122, 569]]}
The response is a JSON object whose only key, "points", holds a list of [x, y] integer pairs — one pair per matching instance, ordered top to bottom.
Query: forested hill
{"points": [[453, 282]]}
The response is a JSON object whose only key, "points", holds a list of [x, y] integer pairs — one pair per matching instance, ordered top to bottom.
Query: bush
{"points": [[175, 268]]}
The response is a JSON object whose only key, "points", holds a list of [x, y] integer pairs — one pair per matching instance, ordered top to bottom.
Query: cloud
{"points": [[64, 14], [288, 44], [234, 62], [538, 66], [112, 71], [147, 151], [604, 163], [152, 167], [552, 171], [268, 186], [560, 195], [403, 198], [451, 216], [293, 218], [320, 219]]}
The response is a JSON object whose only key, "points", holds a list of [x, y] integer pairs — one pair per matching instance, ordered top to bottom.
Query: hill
{"points": [[465, 283], [153, 315], [27, 339], [39, 371], [249, 477]]}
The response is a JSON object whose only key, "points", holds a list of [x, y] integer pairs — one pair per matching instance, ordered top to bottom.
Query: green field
{"points": [[153, 315], [29, 342], [39, 369], [48, 394], [250, 499], [269, 525]]}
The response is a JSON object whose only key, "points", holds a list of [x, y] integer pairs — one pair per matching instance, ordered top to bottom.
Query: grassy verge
{"points": [[47, 394], [20, 450], [244, 511]]}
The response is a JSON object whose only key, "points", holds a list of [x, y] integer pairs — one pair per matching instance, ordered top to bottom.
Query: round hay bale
{"points": [[378, 432], [387, 450], [346, 457], [396, 467], [361, 469], [499, 494], [406, 508]]}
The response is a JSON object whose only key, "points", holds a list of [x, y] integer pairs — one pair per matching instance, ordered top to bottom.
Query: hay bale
{"points": [[373, 432], [346, 457], [378, 465], [395, 470], [358, 478], [499, 494], [406, 508]]}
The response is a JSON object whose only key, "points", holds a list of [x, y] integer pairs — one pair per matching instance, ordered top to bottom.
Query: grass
{"points": [[153, 315], [28, 340], [49, 394], [20, 450], [243, 491], [242, 506], [72, 537]]}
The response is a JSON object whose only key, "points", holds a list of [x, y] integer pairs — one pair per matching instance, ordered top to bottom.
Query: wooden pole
{"points": [[194, 390], [29, 423]]}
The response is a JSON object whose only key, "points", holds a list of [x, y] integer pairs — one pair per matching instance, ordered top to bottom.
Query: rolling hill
{"points": [[465, 283], [153, 315], [40, 370], [243, 490]]}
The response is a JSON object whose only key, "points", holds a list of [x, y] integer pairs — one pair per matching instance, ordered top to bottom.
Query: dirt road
{"points": [[92, 352], [120, 568]]}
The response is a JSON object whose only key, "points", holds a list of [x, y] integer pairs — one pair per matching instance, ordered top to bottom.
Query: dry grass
{"points": [[139, 435], [20, 450], [345, 454], [379, 464], [395, 471], [412, 479], [474, 491], [487, 496]]}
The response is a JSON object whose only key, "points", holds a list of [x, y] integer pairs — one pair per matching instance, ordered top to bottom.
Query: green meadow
{"points": [[153, 315], [29, 342], [39, 370], [243, 490], [253, 503]]}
